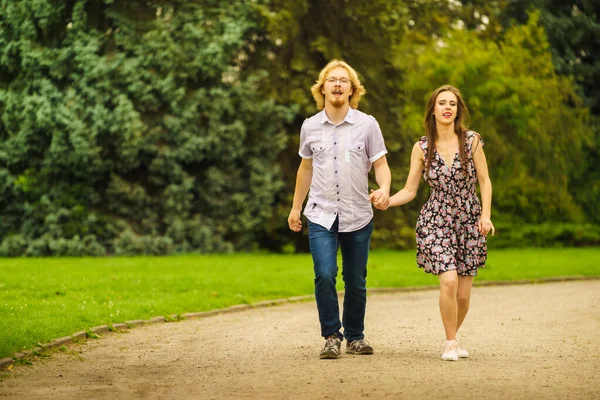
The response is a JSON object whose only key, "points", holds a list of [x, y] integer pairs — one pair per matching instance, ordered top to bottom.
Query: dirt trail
{"points": [[537, 341]]}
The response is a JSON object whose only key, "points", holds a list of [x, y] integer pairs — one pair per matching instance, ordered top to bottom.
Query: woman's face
{"points": [[446, 108]]}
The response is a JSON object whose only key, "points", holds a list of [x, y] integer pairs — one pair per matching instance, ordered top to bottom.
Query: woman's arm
{"points": [[383, 176], [411, 186], [485, 187]]}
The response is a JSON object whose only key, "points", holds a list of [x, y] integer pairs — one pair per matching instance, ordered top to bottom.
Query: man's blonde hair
{"points": [[358, 89]]}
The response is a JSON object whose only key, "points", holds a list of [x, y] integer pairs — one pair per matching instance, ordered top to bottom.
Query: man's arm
{"points": [[383, 176], [303, 180]]}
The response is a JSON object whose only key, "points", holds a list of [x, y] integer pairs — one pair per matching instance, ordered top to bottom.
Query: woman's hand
{"points": [[380, 198], [485, 226]]}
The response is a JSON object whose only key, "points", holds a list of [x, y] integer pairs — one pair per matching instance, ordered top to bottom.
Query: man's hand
{"points": [[380, 198], [294, 220]]}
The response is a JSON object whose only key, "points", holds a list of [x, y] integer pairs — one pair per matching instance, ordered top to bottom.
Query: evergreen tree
{"points": [[133, 127]]}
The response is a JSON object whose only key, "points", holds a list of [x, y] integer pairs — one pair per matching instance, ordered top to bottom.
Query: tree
{"points": [[572, 30], [531, 119], [133, 128]]}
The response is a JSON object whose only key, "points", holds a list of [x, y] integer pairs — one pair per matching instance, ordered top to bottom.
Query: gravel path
{"points": [[537, 341]]}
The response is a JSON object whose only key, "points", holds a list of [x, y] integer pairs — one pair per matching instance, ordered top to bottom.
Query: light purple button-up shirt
{"points": [[342, 157]]}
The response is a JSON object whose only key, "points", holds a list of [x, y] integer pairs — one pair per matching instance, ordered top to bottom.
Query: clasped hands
{"points": [[380, 199]]}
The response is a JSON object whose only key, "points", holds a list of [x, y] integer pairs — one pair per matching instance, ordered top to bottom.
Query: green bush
{"points": [[122, 117], [128, 243], [13, 246]]}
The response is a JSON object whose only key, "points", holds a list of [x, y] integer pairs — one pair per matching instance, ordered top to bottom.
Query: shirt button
{"points": [[334, 142], [335, 158], [336, 172]]}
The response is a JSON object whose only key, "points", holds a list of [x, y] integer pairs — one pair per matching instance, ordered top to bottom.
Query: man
{"points": [[338, 146]]}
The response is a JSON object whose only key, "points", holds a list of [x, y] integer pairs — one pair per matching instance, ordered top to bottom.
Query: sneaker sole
{"points": [[360, 353], [329, 356], [449, 359]]}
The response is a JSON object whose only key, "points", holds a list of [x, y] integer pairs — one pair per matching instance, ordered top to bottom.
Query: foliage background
{"points": [[156, 127]]}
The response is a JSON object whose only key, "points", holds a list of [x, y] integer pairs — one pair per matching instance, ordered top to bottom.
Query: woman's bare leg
{"points": [[463, 298], [448, 304]]}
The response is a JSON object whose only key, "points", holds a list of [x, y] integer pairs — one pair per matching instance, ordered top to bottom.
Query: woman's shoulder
{"points": [[472, 134], [473, 139], [422, 143]]}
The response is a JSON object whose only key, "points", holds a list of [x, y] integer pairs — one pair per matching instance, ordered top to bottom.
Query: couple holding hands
{"points": [[338, 146]]}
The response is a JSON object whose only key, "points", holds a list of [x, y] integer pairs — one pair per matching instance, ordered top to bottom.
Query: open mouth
{"points": [[337, 92], [447, 115]]}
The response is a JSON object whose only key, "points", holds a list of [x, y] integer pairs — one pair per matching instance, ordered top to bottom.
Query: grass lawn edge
{"points": [[96, 332]]}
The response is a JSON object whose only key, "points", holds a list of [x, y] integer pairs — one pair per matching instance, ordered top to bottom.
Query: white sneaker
{"points": [[461, 351], [450, 353]]}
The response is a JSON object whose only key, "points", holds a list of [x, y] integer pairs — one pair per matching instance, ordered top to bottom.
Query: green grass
{"points": [[43, 299]]}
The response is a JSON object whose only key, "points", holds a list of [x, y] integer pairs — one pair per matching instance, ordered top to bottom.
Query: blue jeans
{"points": [[324, 244]]}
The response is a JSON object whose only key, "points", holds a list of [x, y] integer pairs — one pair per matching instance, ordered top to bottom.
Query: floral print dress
{"points": [[447, 234]]}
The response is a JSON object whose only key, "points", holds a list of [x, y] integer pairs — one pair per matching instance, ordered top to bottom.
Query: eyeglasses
{"points": [[343, 81]]}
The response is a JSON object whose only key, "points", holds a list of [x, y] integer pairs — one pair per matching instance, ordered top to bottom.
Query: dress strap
{"points": [[470, 139], [423, 144]]}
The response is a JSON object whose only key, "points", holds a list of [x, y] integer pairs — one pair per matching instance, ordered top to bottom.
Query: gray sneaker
{"points": [[358, 347], [332, 348]]}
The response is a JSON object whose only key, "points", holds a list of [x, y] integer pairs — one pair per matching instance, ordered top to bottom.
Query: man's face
{"points": [[337, 87]]}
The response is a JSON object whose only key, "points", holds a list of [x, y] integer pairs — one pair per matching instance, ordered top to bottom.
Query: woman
{"points": [[452, 226]]}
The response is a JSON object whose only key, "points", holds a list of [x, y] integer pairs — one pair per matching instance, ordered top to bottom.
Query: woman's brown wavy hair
{"points": [[460, 126]]}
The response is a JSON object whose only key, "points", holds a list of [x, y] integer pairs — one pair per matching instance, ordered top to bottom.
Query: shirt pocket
{"points": [[319, 151], [355, 152]]}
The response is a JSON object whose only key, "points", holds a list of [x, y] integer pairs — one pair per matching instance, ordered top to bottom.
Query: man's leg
{"points": [[323, 247], [355, 253]]}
